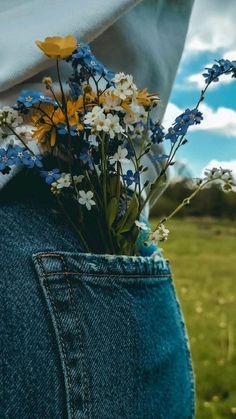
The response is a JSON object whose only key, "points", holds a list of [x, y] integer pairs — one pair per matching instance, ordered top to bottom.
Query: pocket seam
{"points": [[66, 272], [121, 274], [60, 333], [61, 337], [62, 343], [187, 351], [84, 376]]}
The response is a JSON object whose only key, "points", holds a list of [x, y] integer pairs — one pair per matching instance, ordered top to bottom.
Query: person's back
{"points": [[82, 335]]}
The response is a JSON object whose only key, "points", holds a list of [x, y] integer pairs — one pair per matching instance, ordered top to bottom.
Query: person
{"points": [[83, 335]]}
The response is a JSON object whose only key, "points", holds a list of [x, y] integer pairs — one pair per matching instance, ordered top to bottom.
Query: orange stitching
{"points": [[93, 274], [108, 274], [60, 336], [84, 375]]}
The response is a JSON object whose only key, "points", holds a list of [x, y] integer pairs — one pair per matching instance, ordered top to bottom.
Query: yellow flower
{"points": [[57, 46], [147, 99], [87, 101], [73, 118], [47, 119], [44, 130], [41, 131]]}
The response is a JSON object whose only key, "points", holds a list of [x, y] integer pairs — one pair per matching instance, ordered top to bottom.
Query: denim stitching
{"points": [[64, 266], [67, 272], [109, 275], [61, 336], [188, 354], [84, 380]]}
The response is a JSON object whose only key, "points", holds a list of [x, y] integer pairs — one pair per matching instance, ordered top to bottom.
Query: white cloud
{"points": [[212, 26], [210, 37], [230, 55], [198, 81], [171, 113], [222, 120]]}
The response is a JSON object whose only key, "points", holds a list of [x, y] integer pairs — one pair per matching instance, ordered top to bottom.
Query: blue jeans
{"points": [[86, 336]]}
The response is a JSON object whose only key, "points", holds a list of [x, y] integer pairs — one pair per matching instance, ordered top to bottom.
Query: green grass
{"points": [[203, 259]]}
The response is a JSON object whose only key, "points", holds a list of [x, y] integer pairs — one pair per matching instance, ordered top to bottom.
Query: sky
{"points": [[212, 35]]}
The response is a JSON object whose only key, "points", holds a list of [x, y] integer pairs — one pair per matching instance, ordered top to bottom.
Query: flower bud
{"points": [[47, 81]]}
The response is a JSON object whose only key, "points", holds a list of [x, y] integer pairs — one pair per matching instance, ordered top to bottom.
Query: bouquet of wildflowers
{"points": [[87, 140]]}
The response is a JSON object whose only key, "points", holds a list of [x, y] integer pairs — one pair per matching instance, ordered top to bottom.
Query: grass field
{"points": [[203, 259]]}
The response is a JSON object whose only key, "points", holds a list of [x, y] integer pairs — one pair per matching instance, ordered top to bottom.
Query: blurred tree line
{"points": [[211, 202]]}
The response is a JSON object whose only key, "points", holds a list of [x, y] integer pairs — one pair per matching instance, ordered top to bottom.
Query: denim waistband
{"points": [[69, 262]]}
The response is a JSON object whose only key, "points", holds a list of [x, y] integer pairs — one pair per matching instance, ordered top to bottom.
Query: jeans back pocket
{"points": [[120, 334]]}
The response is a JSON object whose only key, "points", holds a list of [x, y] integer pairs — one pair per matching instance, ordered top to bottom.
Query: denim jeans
{"points": [[86, 336]]}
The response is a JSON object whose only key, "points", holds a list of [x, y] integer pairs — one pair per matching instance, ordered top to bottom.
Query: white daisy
{"points": [[120, 77], [124, 86], [124, 90], [112, 103], [96, 113], [138, 115], [129, 121], [101, 124], [113, 124], [137, 132], [119, 156], [64, 181], [86, 199], [160, 234]]}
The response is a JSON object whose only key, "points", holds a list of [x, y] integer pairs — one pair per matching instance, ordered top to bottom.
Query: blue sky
{"points": [[212, 35]]}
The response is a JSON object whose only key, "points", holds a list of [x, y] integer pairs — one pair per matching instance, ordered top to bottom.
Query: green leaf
{"points": [[114, 184], [112, 211], [129, 217]]}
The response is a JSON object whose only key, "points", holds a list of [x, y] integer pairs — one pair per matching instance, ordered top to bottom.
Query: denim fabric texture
{"points": [[86, 336]]}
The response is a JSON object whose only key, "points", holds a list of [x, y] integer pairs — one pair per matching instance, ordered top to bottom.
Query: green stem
{"points": [[96, 85], [55, 97], [64, 105], [37, 108], [19, 138], [173, 150], [136, 165], [103, 167], [104, 183], [92, 186], [125, 187], [185, 202], [73, 225]]}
